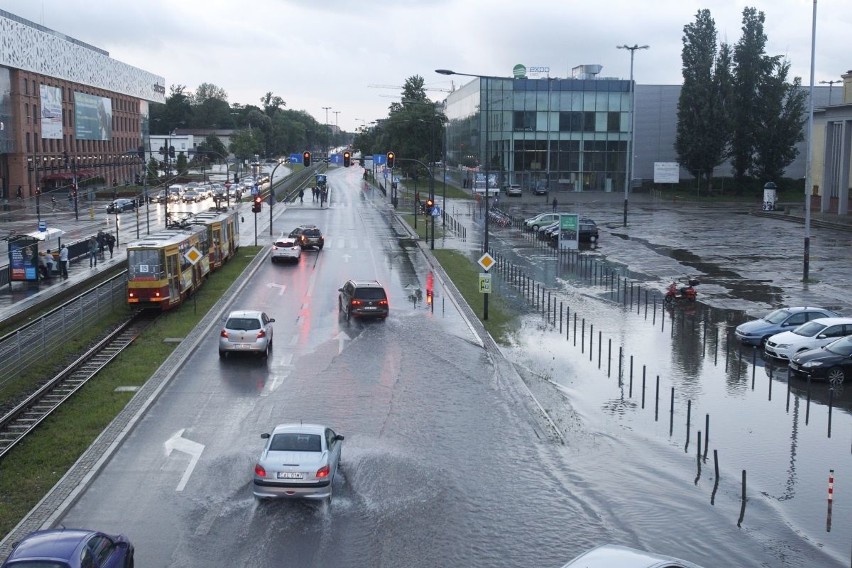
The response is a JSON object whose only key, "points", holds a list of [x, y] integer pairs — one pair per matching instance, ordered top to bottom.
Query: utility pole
{"points": [[327, 135]]}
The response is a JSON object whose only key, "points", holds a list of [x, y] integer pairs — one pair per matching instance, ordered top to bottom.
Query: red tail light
{"points": [[383, 302], [355, 303], [224, 333], [261, 333], [259, 471], [323, 471]]}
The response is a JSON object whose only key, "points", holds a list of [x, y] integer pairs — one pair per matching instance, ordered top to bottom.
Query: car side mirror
{"points": [[340, 289], [271, 320], [264, 435], [339, 437]]}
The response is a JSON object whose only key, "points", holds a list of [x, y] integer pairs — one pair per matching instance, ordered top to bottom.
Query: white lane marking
{"points": [[281, 287], [279, 372], [181, 444]]}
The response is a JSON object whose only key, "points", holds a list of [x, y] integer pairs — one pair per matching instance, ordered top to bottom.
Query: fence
{"points": [[34, 341]]}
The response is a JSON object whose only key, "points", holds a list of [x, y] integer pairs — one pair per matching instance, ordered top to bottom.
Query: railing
{"points": [[34, 341]]}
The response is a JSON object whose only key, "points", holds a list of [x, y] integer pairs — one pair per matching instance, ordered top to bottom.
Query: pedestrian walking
{"points": [[19, 194], [301, 196], [53, 202], [554, 204], [101, 241], [110, 242], [93, 252], [63, 262], [50, 263], [42, 266]]}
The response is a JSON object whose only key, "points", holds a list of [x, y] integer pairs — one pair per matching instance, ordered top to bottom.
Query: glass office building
{"points": [[568, 134]]}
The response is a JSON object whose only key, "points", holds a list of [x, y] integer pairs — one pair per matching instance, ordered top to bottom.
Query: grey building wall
{"points": [[656, 127]]}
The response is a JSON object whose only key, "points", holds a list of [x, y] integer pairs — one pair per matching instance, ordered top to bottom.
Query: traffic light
{"points": [[171, 151], [347, 158], [391, 158], [306, 159], [73, 190], [257, 205]]}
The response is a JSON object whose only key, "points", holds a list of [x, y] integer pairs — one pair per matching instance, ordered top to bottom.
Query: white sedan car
{"points": [[286, 248], [815, 333], [298, 461], [615, 556]]}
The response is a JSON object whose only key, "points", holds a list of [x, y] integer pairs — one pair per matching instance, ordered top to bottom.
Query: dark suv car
{"points": [[588, 231], [308, 236], [363, 298]]}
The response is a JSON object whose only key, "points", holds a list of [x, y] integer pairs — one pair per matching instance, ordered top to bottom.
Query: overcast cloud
{"points": [[319, 53]]}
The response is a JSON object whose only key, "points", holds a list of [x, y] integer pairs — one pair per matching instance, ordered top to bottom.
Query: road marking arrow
{"points": [[346, 257], [281, 287], [181, 444]]}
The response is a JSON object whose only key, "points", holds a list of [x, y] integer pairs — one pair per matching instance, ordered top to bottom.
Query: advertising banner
{"points": [[51, 112], [92, 117], [666, 172], [569, 231], [23, 259]]}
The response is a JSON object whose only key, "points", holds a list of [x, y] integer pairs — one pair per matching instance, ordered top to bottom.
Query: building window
{"points": [[27, 111], [524, 120], [588, 121], [613, 122]]}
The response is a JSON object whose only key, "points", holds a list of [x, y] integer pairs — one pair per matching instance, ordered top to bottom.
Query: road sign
{"points": [[436, 211], [42, 226], [193, 255], [486, 261], [484, 283]]}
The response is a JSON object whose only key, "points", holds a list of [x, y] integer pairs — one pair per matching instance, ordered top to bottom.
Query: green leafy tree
{"points": [[750, 69], [272, 103], [175, 113], [703, 123], [779, 124], [414, 128], [245, 144], [181, 163], [153, 168]]}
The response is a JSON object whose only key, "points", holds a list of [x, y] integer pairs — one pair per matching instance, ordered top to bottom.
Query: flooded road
{"points": [[596, 330]]}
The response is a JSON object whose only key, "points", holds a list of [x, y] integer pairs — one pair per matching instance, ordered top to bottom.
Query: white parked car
{"points": [[513, 190], [810, 335], [615, 556]]}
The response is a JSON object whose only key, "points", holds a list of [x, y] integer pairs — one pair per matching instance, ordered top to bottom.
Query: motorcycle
{"points": [[677, 291]]}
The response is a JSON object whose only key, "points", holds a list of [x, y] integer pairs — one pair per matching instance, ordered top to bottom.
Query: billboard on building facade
{"points": [[51, 112], [92, 117]]}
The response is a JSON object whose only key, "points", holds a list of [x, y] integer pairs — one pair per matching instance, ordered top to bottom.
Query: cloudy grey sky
{"points": [[333, 53]]}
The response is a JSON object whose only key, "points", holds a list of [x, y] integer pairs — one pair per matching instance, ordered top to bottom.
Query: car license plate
{"points": [[370, 307], [243, 346], [290, 475]]}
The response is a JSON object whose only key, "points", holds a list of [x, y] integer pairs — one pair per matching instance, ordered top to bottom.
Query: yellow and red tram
{"points": [[223, 234], [160, 267]]}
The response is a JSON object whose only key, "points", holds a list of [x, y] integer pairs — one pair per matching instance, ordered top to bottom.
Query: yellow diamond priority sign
{"points": [[193, 255], [486, 261]]}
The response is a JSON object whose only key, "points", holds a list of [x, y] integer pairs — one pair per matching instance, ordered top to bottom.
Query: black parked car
{"points": [[832, 362]]}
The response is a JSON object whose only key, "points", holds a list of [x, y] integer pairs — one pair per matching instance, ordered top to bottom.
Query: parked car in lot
{"points": [[539, 188], [513, 190], [120, 205], [541, 220], [308, 236], [286, 248], [363, 298], [246, 331], [756, 332], [815, 333], [832, 362], [298, 461], [71, 548], [615, 556]]}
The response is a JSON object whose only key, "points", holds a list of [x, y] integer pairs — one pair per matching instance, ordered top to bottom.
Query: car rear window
{"points": [[311, 232], [284, 244], [370, 293], [243, 324], [295, 442]]}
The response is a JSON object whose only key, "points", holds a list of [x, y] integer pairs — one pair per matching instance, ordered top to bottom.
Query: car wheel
{"points": [[320, 247], [339, 305], [348, 314], [265, 353], [223, 354], [836, 376]]}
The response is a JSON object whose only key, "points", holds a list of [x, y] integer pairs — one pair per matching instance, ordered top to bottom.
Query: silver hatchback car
{"points": [[246, 331], [299, 461]]}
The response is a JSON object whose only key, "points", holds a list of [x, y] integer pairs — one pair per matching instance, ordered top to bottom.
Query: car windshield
{"points": [[370, 293], [777, 316], [243, 324], [809, 329], [841, 346], [295, 442]]}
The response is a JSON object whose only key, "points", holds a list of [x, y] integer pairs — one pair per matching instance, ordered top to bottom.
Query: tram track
{"points": [[24, 418]]}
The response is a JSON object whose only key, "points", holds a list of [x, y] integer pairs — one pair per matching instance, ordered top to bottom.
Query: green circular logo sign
{"points": [[519, 71]]}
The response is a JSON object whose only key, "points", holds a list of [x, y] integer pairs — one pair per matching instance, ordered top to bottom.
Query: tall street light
{"points": [[830, 86], [484, 110], [327, 136], [628, 165], [808, 173]]}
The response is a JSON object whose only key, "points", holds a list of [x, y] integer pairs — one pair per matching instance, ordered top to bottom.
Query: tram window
{"points": [[145, 264]]}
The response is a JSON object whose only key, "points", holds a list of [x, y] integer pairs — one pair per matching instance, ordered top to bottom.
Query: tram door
{"points": [[217, 245], [173, 274]]}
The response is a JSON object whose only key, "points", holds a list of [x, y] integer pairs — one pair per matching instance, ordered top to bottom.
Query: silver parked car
{"points": [[247, 331], [298, 461], [615, 556]]}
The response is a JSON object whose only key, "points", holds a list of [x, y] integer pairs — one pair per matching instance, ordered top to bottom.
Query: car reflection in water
{"points": [[820, 391]]}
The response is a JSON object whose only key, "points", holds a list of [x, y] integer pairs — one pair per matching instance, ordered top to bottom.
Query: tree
{"points": [[749, 71], [208, 91], [272, 103], [175, 113], [779, 124], [702, 127], [414, 128], [214, 144], [245, 144], [181, 163], [153, 169]]}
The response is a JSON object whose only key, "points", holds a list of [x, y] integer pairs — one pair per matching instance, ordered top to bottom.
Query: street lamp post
{"points": [[830, 86], [484, 109], [327, 136], [628, 164], [808, 173]]}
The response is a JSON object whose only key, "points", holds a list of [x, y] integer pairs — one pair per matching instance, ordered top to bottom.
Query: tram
{"points": [[223, 234], [166, 267]]}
